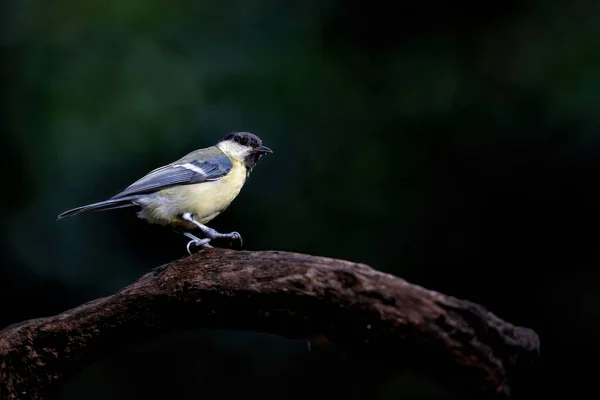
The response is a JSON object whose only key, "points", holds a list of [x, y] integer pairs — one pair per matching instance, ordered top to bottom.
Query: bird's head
{"points": [[245, 147]]}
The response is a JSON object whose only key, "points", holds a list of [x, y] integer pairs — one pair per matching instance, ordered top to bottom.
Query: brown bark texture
{"points": [[293, 295]]}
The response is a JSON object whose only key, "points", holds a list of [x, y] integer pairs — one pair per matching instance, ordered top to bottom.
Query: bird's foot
{"points": [[212, 234], [197, 242]]}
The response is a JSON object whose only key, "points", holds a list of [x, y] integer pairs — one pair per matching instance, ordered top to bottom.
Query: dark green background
{"points": [[454, 144]]}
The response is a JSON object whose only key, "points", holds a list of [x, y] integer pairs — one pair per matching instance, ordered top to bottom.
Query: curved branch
{"points": [[288, 294]]}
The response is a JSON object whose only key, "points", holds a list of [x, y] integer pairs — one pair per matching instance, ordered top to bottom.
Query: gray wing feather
{"points": [[181, 172]]}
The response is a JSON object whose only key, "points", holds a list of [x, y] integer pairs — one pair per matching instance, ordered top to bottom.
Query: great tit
{"points": [[188, 193]]}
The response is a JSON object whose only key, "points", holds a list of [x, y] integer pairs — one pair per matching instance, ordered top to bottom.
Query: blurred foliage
{"points": [[455, 145]]}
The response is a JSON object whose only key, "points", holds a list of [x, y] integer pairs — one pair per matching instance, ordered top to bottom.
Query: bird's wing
{"points": [[181, 172]]}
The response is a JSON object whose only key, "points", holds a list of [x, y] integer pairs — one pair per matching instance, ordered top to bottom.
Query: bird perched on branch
{"points": [[190, 192]]}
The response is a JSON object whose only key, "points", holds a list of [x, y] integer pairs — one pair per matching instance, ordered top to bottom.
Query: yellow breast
{"points": [[209, 199], [205, 200]]}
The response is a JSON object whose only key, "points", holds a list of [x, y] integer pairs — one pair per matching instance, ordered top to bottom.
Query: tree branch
{"points": [[288, 294]]}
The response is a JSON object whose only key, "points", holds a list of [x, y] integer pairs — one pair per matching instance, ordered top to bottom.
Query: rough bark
{"points": [[288, 294]]}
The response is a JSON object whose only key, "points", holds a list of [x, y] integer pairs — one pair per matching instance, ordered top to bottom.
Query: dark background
{"points": [[454, 144]]}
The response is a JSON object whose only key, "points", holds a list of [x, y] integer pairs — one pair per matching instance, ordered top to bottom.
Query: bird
{"points": [[188, 193]]}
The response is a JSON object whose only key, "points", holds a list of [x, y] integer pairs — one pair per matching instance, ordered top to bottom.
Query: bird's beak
{"points": [[264, 149]]}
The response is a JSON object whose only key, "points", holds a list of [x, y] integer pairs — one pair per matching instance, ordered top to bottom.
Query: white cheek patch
{"points": [[234, 149]]}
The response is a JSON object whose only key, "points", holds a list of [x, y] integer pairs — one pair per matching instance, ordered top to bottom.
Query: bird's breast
{"points": [[208, 199]]}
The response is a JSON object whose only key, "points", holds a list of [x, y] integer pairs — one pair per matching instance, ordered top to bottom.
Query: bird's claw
{"points": [[236, 236], [198, 242]]}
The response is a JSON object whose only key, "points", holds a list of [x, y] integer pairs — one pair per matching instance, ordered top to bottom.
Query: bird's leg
{"points": [[211, 233], [196, 242]]}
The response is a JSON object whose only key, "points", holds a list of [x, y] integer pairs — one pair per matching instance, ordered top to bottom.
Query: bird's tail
{"points": [[110, 204]]}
